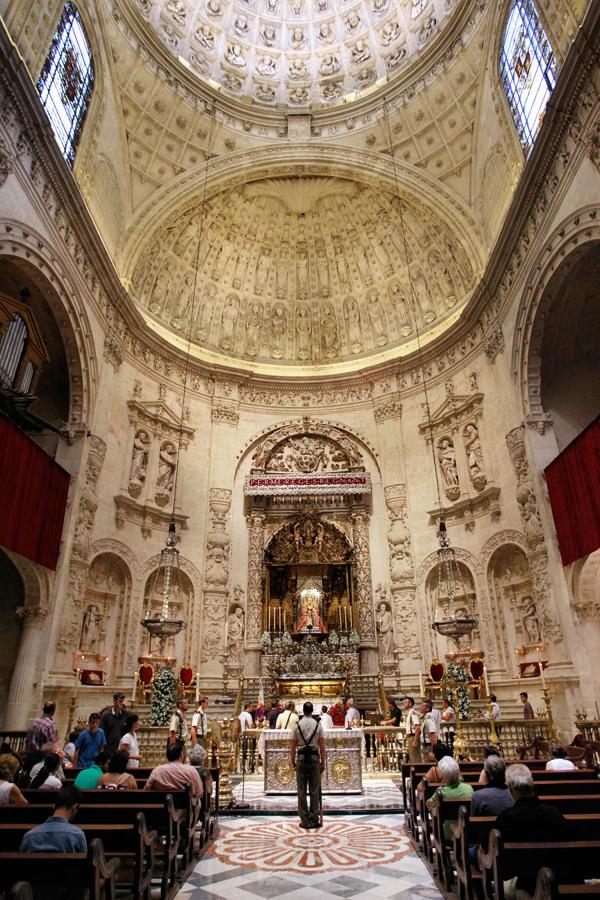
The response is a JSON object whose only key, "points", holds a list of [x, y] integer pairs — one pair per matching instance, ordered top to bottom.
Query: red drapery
{"points": [[573, 480], [33, 498]]}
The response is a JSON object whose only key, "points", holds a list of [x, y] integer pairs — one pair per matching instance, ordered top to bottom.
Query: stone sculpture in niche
{"points": [[272, 6], [380, 6], [297, 7], [417, 7], [214, 8], [177, 11], [352, 22], [240, 25], [425, 32], [325, 33], [389, 33], [268, 35], [205, 37], [297, 38], [360, 52], [395, 58], [330, 65], [266, 66], [297, 69], [232, 82], [332, 91], [265, 93], [298, 96], [341, 266], [301, 271], [262, 272], [282, 272], [161, 287], [423, 295], [184, 303], [400, 306], [205, 312], [377, 313], [352, 315], [229, 321], [278, 325], [253, 326], [303, 332], [329, 332], [446, 455], [474, 456], [167, 460], [139, 462], [217, 561], [531, 624], [90, 629], [385, 630], [235, 636]]}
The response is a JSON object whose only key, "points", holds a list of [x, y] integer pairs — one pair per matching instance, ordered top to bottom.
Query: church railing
{"points": [[589, 728], [513, 736], [16, 739], [153, 744], [384, 748]]}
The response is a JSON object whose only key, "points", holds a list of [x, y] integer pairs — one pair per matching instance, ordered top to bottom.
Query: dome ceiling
{"points": [[297, 52], [302, 271]]}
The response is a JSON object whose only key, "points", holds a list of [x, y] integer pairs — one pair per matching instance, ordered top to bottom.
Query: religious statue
{"points": [[177, 10], [353, 22], [240, 25], [325, 33], [389, 33], [268, 35], [205, 37], [297, 38], [360, 52], [235, 56], [330, 64], [265, 66], [297, 69], [205, 312], [352, 314], [228, 322], [253, 326], [278, 326], [303, 330], [329, 332], [474, 456], [167, 459], [447, 459], [139, 461], [217, 562], [309, 611], [531, 624], [90, 629], [385, 631], [235, 636]]}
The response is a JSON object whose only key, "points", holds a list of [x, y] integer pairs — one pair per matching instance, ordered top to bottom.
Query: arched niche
{"points": [[570, 347], [511, 590], [12, 599], [463, 604], [180, 607], [105, 611]]}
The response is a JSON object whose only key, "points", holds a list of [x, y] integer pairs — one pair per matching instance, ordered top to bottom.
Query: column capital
{"points": [[32, 616]]}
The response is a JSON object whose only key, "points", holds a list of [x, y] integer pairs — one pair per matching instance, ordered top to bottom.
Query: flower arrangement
{"points": [[455, 674], [164, 696]]}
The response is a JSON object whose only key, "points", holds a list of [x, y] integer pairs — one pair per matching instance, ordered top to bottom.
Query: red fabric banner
{"points": [[573, 480], [33, 498]]}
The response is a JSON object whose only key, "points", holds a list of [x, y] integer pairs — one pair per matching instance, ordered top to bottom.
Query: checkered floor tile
{"points": [[351, 856]]}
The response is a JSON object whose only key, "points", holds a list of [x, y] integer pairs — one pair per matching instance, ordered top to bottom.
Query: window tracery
{"points": [[528, 69], [66, 81]]}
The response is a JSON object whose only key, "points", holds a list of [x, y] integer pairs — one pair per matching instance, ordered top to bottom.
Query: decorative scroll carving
{"points": [[494, 342], [391, 409], [226, 414], [256, 524], [534, 534], [309, 539], [399, 539], [218, 543], [362, 575], [405, 622]]}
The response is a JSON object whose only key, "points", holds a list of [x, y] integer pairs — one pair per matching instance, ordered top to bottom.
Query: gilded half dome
{"points": [[303, 272]]}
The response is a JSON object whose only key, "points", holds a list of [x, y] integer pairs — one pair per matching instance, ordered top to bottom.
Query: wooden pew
{"points": [[475, 830], [132, 844], [501, 859], [91, 871], [548, 888], [20, 891]]}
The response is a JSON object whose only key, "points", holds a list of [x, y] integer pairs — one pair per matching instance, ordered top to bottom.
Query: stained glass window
{"points": [[527, 69], [66, 81]]}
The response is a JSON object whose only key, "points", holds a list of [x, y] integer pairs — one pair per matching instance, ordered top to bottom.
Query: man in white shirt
{"points": [[496, 713], [352, 714], [245, 717], [288, 718], [326, 720], [200, 723], [412, 726], [429, 728], [178, 730], [308, 744], [559, 761]]}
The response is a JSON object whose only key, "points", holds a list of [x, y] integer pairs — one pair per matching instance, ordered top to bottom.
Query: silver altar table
{"points": [[343, 772]]}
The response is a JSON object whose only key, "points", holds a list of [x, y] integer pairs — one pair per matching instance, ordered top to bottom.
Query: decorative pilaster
{"points": [[256, 527], [534, 535], [402, 574], [362, 576], [216, 577], [20, 695]]}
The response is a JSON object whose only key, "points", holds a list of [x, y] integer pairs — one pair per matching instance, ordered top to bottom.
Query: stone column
{"points": [[364, 592], [254, 597], [20, 695]]}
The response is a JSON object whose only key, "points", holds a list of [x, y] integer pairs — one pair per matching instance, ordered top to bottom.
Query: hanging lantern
{"points": [[163, 626]]}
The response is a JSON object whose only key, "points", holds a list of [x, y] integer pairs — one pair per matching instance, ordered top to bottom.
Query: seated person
{"points": [[51, 747], [69, 750], [488, 750], [198, 759], [559, 761], [174, 775], [433, 775], [117, 777], [46, 778], [87, 779], [453, 789], [9, 792], [491, 800], [528, 820], [57, 834]]}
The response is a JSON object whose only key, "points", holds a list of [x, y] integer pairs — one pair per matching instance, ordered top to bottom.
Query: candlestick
{"points": [[340, 612], [279, 617], [345, 619], [351, 619], [284, 620], [543, 677], [486, 683], [197, 687], [421, 687], [133, 690]]}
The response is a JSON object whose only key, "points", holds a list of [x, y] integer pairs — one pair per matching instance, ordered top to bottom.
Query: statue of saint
{"points": [[139, 458], [166, 469], [309, 618], [531, 624], [90, 629], [385, 631], [235, 635]]}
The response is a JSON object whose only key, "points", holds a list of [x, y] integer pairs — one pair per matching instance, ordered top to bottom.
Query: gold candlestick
{"points": [[551, 724], [494, 740], [461, 746]]}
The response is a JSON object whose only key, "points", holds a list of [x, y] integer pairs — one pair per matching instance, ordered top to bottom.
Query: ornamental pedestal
{"points": [[343, 772]]}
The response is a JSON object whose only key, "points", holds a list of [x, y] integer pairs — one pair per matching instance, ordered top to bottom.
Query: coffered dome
{"points": [[297, 53], [304, 271]]}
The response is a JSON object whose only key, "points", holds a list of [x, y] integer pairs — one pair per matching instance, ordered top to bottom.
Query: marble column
{"points": [[364, 592], [254, 596], [24, 676]]}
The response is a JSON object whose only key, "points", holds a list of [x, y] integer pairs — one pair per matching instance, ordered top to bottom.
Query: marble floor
{"points": [[378, 793], [351, 856]]}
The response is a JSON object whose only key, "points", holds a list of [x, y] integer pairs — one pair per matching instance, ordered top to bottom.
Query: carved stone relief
{"points": [[279, 241], [399, 538]]}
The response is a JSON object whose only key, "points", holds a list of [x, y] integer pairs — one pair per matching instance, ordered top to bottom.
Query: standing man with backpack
{"points": [[178, 729], [308, 747]]}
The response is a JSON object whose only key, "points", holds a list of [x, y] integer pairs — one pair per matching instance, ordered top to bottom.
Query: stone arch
{"points": [[565, 246], [32, 252], [302, 426], [106, 606], [188, 640]]}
